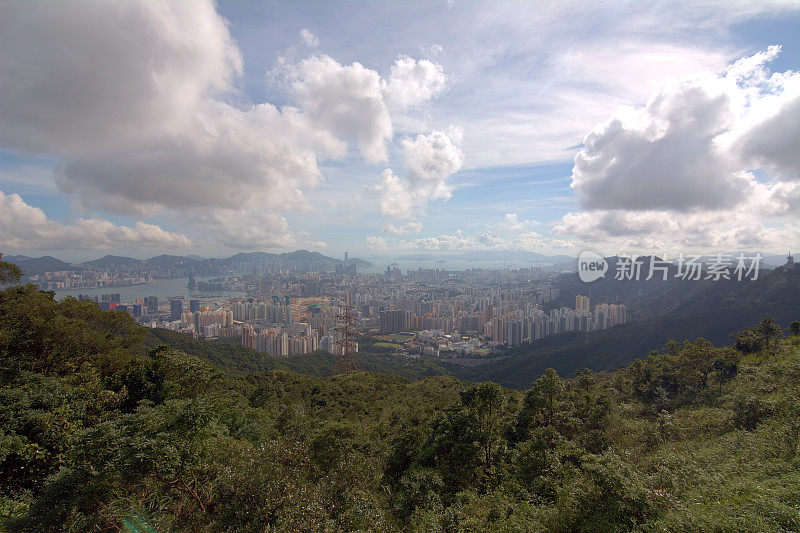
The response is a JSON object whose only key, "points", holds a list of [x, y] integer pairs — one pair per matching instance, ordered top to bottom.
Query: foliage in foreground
{"points": [[98, 434]]}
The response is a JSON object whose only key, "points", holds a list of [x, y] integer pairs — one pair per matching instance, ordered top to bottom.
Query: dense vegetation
{"points": [[98, 433]]}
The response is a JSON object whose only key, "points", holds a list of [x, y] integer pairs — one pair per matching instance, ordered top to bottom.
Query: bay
{"points": [[163, 289]]}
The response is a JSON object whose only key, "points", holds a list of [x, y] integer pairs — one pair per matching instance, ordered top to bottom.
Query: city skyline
{"points": [[389, 129], [431, 312]]}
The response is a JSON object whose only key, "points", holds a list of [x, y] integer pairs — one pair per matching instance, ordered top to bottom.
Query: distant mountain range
{"points": [[112, 261], [38, 265], [32, 266]]}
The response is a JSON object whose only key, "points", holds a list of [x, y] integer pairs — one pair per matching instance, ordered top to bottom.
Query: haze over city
{"points": [[137, 128]]}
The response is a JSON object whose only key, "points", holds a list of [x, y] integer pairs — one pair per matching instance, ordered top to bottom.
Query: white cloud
{"points": [[309, 38], [628, 68], [413, 82], [72, 83], [527, 84], [526, 87], [346, 100], [351, 101], [164, 125], [767, 126], [147, 127], [151, 127], [689, 147], [662, 156], [257, 158], [430, 160], [678, 173], [35, 178], [394, 198], [512, 222], [27, 228], [405, 229], [246, 230], [661, 231], [489, 241], [444, 242], [535, 242], [376, 243]]}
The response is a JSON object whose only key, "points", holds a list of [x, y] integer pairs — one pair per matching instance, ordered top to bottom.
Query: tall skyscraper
{"points": [[582, 303], [152, 304], [194, 306], [175, 309], [394, 321]]}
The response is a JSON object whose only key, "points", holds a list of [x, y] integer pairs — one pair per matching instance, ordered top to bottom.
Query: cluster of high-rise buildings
{"points": [[87, 279], [112, 302], [273, 311], [297, 313], [512, 322], [267, 325], [516, 328], [289, 339]]}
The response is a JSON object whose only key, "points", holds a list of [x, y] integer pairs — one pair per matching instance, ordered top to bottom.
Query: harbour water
{"points": [[380, 264], [164, 289]]}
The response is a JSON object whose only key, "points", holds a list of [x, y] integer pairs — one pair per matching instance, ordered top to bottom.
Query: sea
{"points": [[380, 264], [163, 289]]}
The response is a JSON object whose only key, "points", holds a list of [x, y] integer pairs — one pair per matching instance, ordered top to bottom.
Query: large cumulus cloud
{"points": [[78, 78], [413, 82], [346, 100], [142, 103], [259, 157], [430, 159], [710, 162]]}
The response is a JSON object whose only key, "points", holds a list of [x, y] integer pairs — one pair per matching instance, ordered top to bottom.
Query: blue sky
{"points": [[394, 127]]}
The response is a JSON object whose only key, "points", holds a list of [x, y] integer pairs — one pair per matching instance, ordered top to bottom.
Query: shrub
{"points": [[748, 412]]}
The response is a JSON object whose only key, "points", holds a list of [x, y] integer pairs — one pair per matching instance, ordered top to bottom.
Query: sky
{"points": [[144, 127]]}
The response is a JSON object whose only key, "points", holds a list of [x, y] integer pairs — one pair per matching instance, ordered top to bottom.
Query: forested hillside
{"points": [[100, 432]]}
